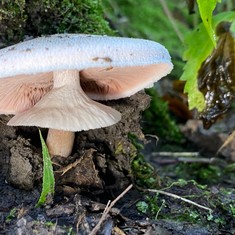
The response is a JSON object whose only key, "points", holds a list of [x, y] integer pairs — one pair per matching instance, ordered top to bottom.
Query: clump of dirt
{"points": [[7, 135], [25, 166], [81, 172]]}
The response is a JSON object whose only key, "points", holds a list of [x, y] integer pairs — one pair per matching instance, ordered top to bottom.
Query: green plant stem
{"points": [[172, 20]]}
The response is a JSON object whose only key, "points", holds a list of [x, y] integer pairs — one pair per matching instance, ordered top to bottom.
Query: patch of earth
{"points": [[99, 169]]}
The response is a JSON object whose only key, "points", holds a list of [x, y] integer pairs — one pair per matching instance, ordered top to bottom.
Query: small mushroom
{"points": [[51, 81]]}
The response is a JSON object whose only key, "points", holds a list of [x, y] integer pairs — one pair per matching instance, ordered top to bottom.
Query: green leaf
{"points": [[206, 8], [199, 48], [48, 181]]}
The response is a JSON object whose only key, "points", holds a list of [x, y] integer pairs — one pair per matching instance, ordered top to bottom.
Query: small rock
{"points": [[21, 222]]}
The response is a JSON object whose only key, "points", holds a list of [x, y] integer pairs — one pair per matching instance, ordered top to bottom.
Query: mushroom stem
{"points": [[59, 142]]}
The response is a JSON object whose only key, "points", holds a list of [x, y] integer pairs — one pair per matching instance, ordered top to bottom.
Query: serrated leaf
{"points": [[206, 8], [199, 48], [48, 181]]}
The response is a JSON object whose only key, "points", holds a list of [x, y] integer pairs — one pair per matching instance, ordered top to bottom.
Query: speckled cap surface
{"points": [[70, 51]]}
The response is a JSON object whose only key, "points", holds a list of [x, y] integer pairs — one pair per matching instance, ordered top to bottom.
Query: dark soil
{"points": [[101, 173]]}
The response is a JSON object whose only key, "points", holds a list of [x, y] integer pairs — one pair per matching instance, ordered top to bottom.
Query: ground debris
{"points": [[210, 141]]}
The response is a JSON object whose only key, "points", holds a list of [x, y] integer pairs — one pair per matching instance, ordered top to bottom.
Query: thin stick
{"points": [[172, 20], [229, 139], [175, 154], [186, 157], [186, 160], [197, 160], [181, 198], [107, 210], [80, 218], [118, 231]]}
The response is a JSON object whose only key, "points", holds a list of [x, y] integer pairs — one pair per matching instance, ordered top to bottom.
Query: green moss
{"points": [[77, 16], [42, 17], [12, 20], [158, 206]]}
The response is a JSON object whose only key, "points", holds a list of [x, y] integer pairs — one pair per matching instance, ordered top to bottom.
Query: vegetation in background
{"points": [[76, 16], [147, 19], [168, 22], [150, 26], [157, 120], [145, 174], [221, 203], [157, 206]]}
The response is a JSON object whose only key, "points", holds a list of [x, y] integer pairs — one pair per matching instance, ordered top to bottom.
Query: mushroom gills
{"points": [[66, 107]]}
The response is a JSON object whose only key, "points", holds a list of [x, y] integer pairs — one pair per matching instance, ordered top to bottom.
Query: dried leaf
{"points": [[216, 77]]}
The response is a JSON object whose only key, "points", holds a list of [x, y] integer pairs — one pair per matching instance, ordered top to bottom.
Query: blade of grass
{"points": [[48, 181]]}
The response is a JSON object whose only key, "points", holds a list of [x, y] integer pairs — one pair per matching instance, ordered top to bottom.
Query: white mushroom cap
{"points": [[80, 52], [109, 68]]}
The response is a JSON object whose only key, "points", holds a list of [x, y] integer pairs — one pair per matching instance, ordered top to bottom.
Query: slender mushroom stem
{"points": [[59, 142]]}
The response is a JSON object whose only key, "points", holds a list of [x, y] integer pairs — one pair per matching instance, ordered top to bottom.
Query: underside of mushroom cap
{"points": [[118, 82], [22, 92], [75, 114]]}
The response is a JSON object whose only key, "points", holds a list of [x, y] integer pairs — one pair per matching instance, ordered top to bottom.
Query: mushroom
{"points": [[51, 81]]}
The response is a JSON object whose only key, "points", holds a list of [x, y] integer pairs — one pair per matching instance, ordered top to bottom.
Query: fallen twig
{"points": [[227, 141], [175, 154], [186, 157], [186, 160], [72, 165], [65, 169], [179, 197], [107, 210], [79, 220], [118, 231]]}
